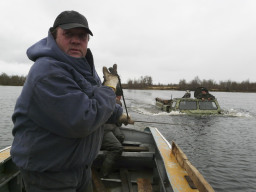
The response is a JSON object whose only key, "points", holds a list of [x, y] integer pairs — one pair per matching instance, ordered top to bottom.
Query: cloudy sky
{"points": [[168, 40]]}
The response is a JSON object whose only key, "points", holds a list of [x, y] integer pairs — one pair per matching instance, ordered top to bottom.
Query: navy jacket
{"points": [[59, 115]]}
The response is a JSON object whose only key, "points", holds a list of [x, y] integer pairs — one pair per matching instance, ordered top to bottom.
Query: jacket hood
{"points": [[47, 47]]}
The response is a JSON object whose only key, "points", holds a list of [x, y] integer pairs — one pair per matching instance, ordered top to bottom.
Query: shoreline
{"points": [[124, 86]]}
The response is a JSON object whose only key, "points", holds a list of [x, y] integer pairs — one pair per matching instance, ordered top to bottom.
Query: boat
{"points": [[201, 104], [148, 163]]}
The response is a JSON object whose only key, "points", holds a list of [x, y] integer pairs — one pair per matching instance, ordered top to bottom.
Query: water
{"points": [[8, 97], [222, 148]]}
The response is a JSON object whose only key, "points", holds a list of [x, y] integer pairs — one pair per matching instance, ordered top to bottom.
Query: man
{"points": [[187, 94], [205, 95], [59, 116], [112, 141]]}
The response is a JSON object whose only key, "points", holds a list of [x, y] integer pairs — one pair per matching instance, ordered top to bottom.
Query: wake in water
{"points": [[152, 110], [238, 113]]}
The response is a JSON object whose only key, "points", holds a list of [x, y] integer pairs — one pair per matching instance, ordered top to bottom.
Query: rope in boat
{"points": [[162, 123]]}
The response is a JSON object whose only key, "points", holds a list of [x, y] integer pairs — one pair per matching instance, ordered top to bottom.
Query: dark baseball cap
{"points": [[71, 19]]}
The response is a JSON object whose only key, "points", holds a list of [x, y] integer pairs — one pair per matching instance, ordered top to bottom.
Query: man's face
{"points": [[73, 42]]}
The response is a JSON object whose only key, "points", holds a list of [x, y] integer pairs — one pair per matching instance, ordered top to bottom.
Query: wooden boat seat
{"points": [[135, 148], [132, 157]]}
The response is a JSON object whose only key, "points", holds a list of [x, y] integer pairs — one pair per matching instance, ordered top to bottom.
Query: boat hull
{"points": [[148, 163]]}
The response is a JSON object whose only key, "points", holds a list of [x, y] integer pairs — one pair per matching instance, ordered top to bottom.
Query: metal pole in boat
{"points": [[112, 71], [122, 95]]}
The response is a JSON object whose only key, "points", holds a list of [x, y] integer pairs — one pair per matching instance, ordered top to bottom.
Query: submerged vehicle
{"points": [[203, 103], [189, 105], [148, 163]]}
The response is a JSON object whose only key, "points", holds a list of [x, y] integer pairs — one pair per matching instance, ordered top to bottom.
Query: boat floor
{"points": [[133, 171], [125, 180]]}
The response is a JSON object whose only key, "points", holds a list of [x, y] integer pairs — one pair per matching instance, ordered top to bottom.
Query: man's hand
{"points": [[113, 70], [110, 77], [125, 119]]}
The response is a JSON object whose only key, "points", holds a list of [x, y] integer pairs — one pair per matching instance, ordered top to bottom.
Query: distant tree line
{"points": [[14, 80], [143, 82], [146, 82], [226, 86]]}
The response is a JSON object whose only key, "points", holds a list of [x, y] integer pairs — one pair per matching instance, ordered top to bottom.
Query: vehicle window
{"points": [[173, 104], [187, 105], [207, 105]]}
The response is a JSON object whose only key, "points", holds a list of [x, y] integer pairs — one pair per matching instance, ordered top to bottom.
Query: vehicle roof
{"points": [[191, 99]]}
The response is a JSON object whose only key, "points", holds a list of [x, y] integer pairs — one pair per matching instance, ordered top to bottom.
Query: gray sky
{"points": [[168, 40]]}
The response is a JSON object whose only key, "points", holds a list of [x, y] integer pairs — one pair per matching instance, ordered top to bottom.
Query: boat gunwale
{"points": [[199, 181]]}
